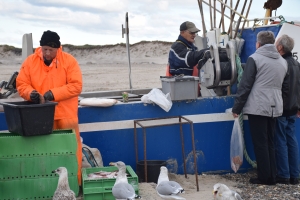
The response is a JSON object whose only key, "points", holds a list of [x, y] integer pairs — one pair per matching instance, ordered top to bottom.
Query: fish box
{"points": [[181, 88], [28, 119], [64, 140], [36, 166], [33, 188], [101, 188]]}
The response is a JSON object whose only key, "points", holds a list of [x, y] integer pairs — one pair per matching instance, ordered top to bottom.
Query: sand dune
{"points": [[106, 67]]}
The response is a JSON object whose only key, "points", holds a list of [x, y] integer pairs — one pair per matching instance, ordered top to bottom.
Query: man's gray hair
{"points": [[265, 37], [286, 42]]}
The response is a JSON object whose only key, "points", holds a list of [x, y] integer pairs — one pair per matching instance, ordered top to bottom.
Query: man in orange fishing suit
{"points": [[53, 75]]}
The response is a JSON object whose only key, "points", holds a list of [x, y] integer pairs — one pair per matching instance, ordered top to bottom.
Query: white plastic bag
{"points": [[158, 97], [236, 146]]}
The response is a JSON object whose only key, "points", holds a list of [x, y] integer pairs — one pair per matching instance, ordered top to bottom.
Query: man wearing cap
{"points": [[183, 55], [53, 75]]}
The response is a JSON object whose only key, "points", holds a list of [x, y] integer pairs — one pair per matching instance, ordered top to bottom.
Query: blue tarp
{"points": [[249, 36]]}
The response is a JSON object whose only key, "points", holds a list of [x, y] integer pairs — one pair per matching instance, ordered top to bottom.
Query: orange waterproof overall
{"points": [[63, 77]]}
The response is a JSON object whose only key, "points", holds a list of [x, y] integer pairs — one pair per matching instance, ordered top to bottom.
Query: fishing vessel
{"points": [[117, 132]]}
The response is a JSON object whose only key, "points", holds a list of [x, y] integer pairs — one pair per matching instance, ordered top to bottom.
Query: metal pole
{"points": [[216, 9], [234, 10], [210, 13], [222, 15], [202, 16], [246, 16], [232, 17], [259, 19], [231, 20], [239, 21], [215, 23], [126, 31], [135, 145], [182, 147], [194, 153], [145, 156]]}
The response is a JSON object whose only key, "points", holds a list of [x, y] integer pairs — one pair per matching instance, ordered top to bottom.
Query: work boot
{"points": [[282, 180], [257, 181], [294, 181]]}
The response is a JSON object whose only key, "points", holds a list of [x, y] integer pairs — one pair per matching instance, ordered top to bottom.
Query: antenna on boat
{"points": [[126, 31], [27, 46]]}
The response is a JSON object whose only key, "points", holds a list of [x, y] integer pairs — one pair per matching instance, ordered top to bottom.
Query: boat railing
{"points": [[133, 94]]}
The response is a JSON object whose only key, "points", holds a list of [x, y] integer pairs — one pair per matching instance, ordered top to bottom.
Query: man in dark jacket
{"points": [[183, 55], [259, 96], [287, 151]]}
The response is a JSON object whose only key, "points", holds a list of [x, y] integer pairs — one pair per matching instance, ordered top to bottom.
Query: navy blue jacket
{"points": [[183, 56], [291, 104]]}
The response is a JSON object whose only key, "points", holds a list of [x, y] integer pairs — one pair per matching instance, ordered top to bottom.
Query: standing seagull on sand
{"points": [[168, 189], [63, 190], [122, 190], [222, 192]]}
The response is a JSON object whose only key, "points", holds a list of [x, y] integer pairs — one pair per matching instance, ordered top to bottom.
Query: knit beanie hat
{"points": [[50, 39]]}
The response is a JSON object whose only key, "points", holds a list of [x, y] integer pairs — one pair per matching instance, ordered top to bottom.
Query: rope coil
{"points": [[240, 73]]}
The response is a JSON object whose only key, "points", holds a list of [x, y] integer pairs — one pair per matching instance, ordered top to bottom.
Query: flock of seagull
{"points": [[122, 190]]}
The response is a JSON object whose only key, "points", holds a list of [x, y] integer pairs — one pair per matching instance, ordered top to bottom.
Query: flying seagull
{"points": [[168, 189], [63, 190], [122, 190], [222, 192]]}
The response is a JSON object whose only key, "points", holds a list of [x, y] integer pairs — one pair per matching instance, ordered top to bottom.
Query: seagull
{"points": [[168, 189], [63, 190], [122, 190], [222, 192]]}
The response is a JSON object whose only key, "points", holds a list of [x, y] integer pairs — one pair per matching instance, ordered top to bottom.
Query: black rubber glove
{"points": [[35, 96], [49, 96]]}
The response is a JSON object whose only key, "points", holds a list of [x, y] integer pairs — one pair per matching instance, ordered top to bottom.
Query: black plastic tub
{"points": [[28, 119], [153, 170]]}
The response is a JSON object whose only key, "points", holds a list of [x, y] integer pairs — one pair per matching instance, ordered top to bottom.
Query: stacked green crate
{"points": [[26, 164], [101, 189]]}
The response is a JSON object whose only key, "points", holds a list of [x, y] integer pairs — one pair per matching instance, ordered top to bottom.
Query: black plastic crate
{"points": [[28, 119]]}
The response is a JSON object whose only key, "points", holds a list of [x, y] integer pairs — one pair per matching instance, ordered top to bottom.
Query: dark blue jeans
{"points": [[286, 145]]}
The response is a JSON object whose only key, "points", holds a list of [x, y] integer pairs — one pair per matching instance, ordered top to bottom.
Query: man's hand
{"points": [[49, 96], [35, 97], [298, 114], [235, 115]]}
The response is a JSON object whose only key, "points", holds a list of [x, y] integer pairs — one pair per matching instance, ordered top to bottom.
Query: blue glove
{"points": [[49, 96]]}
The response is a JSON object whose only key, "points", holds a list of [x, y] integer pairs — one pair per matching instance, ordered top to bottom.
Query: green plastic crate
{"points": [[58, 143], [38, 166], [35, 188], [100, 189]]}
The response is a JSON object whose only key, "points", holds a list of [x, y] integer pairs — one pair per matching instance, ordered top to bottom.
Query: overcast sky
{"points": [[98, 22]]}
